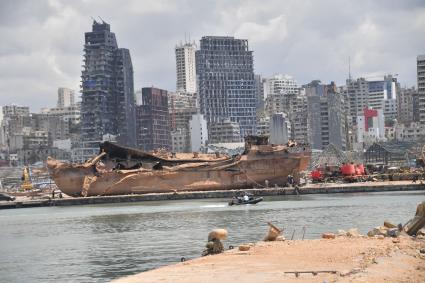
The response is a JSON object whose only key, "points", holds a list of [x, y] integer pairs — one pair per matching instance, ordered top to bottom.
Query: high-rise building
{"points": [[186, 67], [225, 73], [421, 87], [259, 89], [278, 91], [357, 94], [376, 94], [65, 97], [108, 104], [408, 106], [298, 117], [327, 119], [153, 120]]}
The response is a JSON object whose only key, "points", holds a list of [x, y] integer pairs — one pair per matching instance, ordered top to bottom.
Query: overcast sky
{"points": [[42, 41]]}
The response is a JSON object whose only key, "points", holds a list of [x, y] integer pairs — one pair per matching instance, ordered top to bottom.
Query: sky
{"points": [[41, 45]]}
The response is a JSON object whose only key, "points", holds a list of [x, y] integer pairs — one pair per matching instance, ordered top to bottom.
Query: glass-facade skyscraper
{"points": [[226, 83]]}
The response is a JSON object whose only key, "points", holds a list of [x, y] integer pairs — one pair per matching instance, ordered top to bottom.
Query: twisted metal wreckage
{"points": [[120, 170]]}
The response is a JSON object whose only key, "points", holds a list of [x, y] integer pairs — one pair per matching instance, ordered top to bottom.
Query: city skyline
{"points": [[380, 37]]}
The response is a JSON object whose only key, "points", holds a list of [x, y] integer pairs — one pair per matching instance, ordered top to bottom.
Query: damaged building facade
{"points": [[226, 82], [108, 104], [153, 120]]}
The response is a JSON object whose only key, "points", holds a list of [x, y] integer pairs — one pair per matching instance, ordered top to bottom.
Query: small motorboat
{"points": [[244, 200]]}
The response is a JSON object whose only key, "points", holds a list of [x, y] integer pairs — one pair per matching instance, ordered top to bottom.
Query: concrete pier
{"points": [[275, 191]]}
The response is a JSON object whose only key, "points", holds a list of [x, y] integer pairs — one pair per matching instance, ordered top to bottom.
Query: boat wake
{"points": [[213, 205]]}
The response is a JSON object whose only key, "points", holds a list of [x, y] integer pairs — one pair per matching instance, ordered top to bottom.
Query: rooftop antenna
{"points": [[101, 19], [94, 20], [185, 39]]}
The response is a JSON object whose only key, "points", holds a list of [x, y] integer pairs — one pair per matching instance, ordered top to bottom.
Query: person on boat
{"points": [[246, 197]]}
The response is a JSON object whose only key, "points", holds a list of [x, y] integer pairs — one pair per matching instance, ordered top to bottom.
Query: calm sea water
{"points": [[102, 242]]}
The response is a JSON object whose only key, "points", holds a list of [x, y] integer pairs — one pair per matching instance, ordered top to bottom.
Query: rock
{"points": [[389, 225], [378, 231], [341, 232], [353, 232], [393, 232], [421, 232], [219, 234], [328, 236], [380, 237], [280, 238], [396, 240], [244, 248]]}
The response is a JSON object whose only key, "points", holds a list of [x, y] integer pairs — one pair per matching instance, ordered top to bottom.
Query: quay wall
{"points": [[275, 191]]}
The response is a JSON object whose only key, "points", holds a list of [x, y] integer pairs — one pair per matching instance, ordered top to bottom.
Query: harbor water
{"points": [[97, 243]]}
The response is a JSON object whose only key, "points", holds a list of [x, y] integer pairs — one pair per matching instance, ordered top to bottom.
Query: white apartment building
{"points": [[186, 67], [277, 91], [376, 94], [65, 97], [370, 127], [198, 132], [412, 132]]}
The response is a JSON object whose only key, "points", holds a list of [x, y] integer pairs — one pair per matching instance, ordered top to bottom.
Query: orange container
{"points": [[348, 170], [316, 174]]}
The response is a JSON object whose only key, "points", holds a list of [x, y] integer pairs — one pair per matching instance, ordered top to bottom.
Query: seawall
{"points": [[275, 191]]}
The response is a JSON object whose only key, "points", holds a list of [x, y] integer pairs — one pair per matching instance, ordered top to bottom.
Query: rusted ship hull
{"points": [[220, 173]]}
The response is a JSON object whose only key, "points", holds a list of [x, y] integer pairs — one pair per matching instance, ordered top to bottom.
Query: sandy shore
{"points": [[353, 259]]}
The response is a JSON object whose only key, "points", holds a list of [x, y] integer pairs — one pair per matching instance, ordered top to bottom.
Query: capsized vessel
{"points": [[119, 170]]}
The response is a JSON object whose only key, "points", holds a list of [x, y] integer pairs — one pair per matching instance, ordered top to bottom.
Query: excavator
{"points": [[26, 180]]}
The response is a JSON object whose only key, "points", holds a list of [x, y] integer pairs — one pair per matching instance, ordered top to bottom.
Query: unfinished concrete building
{"points": [[226, 83], [108, 104], [153, 120]]}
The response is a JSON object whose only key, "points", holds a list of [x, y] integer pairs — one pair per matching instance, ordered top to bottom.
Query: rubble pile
{"points": [[388, 230]]}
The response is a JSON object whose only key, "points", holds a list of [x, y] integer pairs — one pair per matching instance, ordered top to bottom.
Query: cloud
{"points": [[274, 30], [42, 41]]}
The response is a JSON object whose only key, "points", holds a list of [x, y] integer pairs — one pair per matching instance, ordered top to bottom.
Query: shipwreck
{"points": [[119, 170]]}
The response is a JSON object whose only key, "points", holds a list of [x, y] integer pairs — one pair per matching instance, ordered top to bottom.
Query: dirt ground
{"points": [[358, 259]]}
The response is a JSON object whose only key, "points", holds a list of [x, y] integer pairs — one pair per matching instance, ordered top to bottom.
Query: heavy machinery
{"points": [[26, 179]]}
